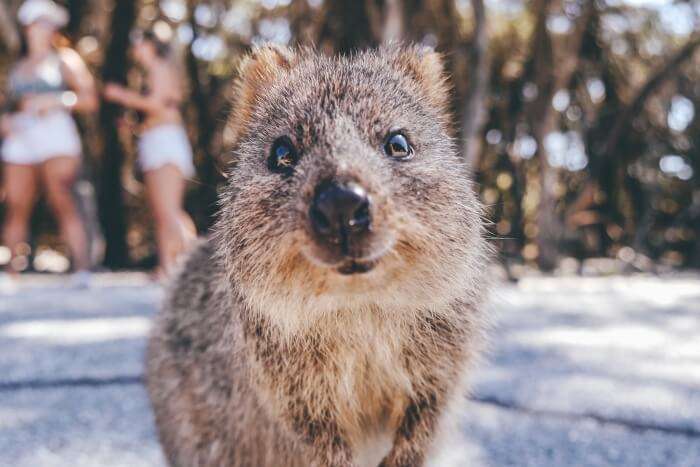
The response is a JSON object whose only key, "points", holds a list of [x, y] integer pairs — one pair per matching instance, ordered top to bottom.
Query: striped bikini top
{"points": [[45, 78]]}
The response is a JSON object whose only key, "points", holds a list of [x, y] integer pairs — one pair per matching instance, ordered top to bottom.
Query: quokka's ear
{"points": [[425, 65], [256, 72]]}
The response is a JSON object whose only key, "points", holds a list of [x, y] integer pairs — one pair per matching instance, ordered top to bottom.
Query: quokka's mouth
{"points": [[346, 265], [356, 267]]}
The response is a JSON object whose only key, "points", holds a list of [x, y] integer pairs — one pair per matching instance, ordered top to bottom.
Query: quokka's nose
{"points": [[340, 210]]}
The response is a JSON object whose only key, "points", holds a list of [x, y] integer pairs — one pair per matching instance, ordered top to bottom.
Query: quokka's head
{"points": [[346, 189]]}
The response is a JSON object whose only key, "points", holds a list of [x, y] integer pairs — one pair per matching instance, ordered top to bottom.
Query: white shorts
{"points": [[35, 139], [166, 144]]}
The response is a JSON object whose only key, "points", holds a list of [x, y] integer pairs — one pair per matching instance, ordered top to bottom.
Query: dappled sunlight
{"points": [[607, 296], [81, 331], [51, 332], [632, 337], [623, 347], [685, 370], [615, 398], [12, 417], [78, 427], [459, 453]]}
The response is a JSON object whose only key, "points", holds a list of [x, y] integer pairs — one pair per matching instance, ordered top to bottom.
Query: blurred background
{"points": [[579, 118]]}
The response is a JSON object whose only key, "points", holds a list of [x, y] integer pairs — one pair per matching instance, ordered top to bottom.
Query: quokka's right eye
{"points": [[397, 146], [283, 156]]}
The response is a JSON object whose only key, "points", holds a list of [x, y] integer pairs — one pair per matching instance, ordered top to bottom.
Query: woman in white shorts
{"points": [[40, 142], [165, 155]]}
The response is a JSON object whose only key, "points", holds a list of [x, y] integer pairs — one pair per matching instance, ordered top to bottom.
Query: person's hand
{"points": [[114, 92]]}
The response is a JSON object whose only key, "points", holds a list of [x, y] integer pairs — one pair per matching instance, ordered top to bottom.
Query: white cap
{"points": [[32, 11]]}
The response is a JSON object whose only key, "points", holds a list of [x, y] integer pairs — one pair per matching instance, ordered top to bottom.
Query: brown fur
{"points": [[264, 355]]}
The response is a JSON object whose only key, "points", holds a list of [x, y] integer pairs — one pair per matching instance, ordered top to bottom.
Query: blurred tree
{"points": [[76, 10], [347, 26], [8, 29], [202, 96], [474, 111], [111, 203]]}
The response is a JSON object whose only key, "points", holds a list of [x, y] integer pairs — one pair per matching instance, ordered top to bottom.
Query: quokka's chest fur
{"points": [[359, 371], [356, 374]]}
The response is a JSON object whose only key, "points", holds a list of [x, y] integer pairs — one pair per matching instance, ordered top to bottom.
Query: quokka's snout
{"points": [[343, 208], [340, 214]]}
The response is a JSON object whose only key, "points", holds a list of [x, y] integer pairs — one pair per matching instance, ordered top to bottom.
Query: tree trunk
{"points": [[76, 10], [386, 18], [393, 21], [347, 27], [8, 29], [555, 62], [474, 114], [541, 121], [207, 170], [111, 202]]}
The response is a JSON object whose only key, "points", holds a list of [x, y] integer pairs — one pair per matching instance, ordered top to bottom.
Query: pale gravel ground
{"points": [[621, 347], [584, 372]]}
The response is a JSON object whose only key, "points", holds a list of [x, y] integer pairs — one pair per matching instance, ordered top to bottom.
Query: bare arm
{"points": [[80, 81], [164, 87], [128, 98]]}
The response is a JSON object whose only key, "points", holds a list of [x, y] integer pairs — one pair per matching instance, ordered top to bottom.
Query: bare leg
{"points": [[59, 175], [20, 183], [165, 188]]}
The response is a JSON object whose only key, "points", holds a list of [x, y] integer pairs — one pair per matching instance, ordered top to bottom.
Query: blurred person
{"points": [[41, 145], [164, 151]]}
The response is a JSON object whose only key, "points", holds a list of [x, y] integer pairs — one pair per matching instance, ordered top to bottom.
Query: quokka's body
{"points": [[332, 316]]}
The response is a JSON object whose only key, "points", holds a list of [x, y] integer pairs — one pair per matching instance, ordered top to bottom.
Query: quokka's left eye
{"points": [[398, 147], [283, 156]]}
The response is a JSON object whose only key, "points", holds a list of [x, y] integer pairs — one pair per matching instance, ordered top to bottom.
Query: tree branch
{"points": [[653, 82]]}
